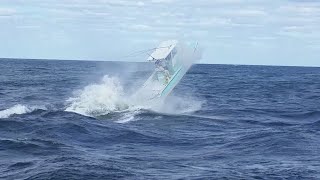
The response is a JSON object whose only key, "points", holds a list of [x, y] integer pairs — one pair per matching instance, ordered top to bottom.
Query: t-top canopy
{"points": [[163, 50]]}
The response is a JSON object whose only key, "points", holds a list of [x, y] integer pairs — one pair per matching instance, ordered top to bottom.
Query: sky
{"points": [[259, 32]]}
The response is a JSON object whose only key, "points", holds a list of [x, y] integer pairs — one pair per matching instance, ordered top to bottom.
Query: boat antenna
{"points": [[145, 51], [136, 53]]}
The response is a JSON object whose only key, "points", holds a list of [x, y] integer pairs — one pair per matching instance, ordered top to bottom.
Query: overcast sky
{"points": [[273, 32]]}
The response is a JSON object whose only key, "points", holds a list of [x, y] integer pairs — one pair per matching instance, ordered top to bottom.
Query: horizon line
{"points": [[88, 60]]}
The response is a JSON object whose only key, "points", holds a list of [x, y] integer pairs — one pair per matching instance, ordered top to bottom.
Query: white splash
{"points": [[108, 96], [99, 99], [17, 109]]}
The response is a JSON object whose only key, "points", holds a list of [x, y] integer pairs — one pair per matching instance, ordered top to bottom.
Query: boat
{"points": [[172, 60]]}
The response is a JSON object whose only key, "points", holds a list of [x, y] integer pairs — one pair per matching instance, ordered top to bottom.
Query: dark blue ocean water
{"points": [[220, 122]]}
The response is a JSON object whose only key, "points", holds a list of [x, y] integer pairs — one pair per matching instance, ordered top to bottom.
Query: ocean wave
{"points": [[18, 109], [303, 115], [18, 144]]}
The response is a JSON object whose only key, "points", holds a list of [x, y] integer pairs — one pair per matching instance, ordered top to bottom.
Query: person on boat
{"points": [[161, 68], [166, 69], [167, 76]]}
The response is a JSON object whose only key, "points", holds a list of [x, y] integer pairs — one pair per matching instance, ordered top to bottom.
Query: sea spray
{"points": [[108, 96], [99, 99]]}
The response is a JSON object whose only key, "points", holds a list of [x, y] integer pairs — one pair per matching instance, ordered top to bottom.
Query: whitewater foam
{"points": [[99, 99], [17, 109]]}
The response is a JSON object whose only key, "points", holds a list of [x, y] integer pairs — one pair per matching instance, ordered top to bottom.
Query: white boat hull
{"points": [[157, 88]]}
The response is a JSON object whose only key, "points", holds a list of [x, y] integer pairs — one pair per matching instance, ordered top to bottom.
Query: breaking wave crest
{"points": [[17, 109]]}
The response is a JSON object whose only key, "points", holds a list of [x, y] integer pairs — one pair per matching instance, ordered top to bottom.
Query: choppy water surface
{"points": [[75, 120]]}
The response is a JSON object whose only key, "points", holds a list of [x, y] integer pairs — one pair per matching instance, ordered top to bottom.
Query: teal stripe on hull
{"points": [[173, 82]]}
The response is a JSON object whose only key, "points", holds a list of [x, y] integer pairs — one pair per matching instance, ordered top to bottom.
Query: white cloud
{"points": [[162, 1], [140, 3], [301, 9], [7, 12], [246, 13], [29, 27], [140, 27]]}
